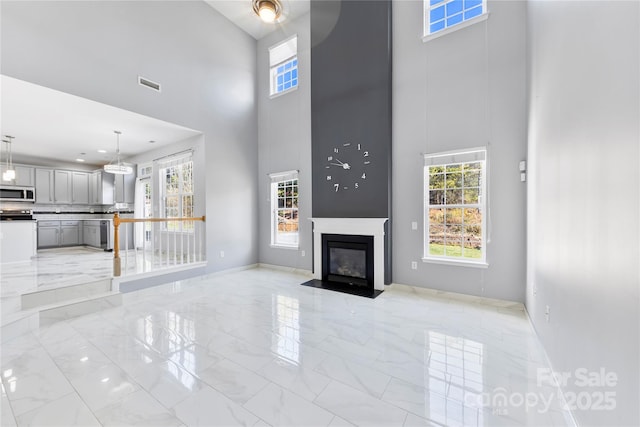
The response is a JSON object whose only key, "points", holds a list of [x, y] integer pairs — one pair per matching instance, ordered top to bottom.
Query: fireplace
{"points": [[349, 255], [348, 259]]}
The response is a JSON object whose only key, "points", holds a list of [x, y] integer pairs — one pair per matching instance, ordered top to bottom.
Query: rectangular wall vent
{"points": [[148, 83]]}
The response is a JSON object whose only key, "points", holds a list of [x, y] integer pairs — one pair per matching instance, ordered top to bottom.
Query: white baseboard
{"points": [[287, 269], [436, 293], [568, 414]]}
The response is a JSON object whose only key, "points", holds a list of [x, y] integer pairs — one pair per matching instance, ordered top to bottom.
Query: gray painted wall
{"points": [[207, 68], [465, 89], [351, 104], [284, 128], [583, 233]]}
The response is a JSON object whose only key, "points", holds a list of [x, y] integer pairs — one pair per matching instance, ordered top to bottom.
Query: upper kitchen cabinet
{"points": [[25, 176], [44, 185], [62, 185], [80, 188], [100, 188], [125, 188]]}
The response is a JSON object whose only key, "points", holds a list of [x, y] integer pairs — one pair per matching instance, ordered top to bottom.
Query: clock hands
{"points": [[344, 165]]}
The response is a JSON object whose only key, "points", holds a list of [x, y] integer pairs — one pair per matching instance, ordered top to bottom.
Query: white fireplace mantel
{"points": [[352, 226]]}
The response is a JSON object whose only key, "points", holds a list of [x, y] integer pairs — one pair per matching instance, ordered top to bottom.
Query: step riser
{"points": [[53, 296], [57, 314]]}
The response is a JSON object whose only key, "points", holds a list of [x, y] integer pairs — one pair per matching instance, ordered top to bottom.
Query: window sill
{"points": [[464, 24], [276, 95], [291, 248], [458, 263]]}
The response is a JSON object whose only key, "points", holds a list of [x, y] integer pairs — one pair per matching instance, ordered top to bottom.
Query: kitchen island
{"points": [[18, 241]]}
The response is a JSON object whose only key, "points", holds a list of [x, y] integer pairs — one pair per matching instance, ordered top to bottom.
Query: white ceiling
{"points": [[240, 12], [52, 125]]}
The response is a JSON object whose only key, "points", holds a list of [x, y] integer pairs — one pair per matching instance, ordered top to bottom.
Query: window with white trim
{"points": [[443, 14], [283, 63], [176, 191], [455, 206], [284, 209]]}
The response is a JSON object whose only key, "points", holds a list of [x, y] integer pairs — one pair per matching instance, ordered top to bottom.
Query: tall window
{"points": [[444, 14], [283, 61], [176, 185], [455, 206], [284, 209]]}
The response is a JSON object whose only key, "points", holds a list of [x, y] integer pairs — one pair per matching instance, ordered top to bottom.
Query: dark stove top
{"points": [[16, 215]]}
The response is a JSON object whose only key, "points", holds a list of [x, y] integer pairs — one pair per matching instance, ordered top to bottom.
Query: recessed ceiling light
{"points": [[102, 151], [79, 160]]}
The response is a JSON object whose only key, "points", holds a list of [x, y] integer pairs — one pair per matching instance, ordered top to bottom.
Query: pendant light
{"points": [[268, 10], [119, 168], [10, 173]]}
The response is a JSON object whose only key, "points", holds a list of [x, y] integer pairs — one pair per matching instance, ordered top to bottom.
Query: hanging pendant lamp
{"points": [[118, 168], [10, 173]]}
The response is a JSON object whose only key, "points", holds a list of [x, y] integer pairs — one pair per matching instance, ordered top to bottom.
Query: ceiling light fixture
{"points": [[268, 10], [118, 168], [10, 173]]}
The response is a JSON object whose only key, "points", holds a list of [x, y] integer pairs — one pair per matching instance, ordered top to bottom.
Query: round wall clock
{"points": [[347, 167]]}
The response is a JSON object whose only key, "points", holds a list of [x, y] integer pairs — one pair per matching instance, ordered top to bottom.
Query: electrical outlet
{"points": [[57, 210], [414, 225], [302, 253], [221, 254], [414, 265], [535, 290], [547, 313]]}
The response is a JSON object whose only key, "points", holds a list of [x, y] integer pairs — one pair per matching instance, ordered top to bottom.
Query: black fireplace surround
{"points": [[348, 259], [347, 265]]}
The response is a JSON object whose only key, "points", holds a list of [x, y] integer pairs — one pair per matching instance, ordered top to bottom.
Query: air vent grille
{"points": [[148, 83]]}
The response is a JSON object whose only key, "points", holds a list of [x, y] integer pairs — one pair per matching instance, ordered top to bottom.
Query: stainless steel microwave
{"points": [[17, 194]]}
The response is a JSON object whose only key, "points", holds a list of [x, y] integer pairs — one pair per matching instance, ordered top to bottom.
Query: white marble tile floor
{"points": [[55, 268], [254, 348]]}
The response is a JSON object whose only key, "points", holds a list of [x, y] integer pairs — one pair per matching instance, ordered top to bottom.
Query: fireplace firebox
{"points": [[348, 260]]}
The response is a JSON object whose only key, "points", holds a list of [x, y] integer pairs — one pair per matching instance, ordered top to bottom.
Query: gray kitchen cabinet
{"points": [[25, 175], [62, 184], [44, 185], [80, 188], [95, 188], [101, 188], [125, 188], [69, 233], [48, 234], [91, 234]]}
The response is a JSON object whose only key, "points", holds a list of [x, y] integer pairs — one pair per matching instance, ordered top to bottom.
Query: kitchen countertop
{"points": [[73, 217]]}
